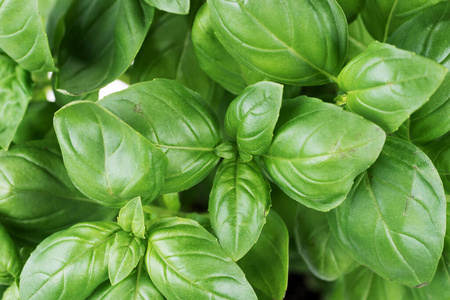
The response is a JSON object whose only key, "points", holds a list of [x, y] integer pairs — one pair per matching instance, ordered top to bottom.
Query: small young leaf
{"points": [[172, 6], [430, 27], [22, 35], [264, 35], [100, 41], [215, 60], [386, 85], [15, 93], [252, 116], [176, 120], [318, 149], [226, 150], [106, 159], [41, 200], [238, 205], [131, 218], [393, 220], [183, 253], [323, 254], [124, 255], [69, 264], [266, 264], [10, 265], [136, 286]]}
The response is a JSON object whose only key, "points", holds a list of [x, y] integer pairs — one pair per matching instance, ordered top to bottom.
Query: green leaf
{"points": [[172, 6], [350, 8], [383, 17], [430, 27], [22, 35], [264, 36], [358, 39], [100, 42], [172, 56], [215, 60], [386, 85], [15, 93], [251, 117], [176, 120], [318, 149], [227, 150], [439, 153], [106, 159], [37, 197], [238, 205], [131, 218], [393, 220], [185, 254], [323, 254], [124, 255], [69, 264], [266, 264], [10, 265], [364, 284], [137, 286], [12, 292]]}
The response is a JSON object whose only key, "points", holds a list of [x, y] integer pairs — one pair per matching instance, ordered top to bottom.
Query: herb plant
{"points": [[258, 141]]}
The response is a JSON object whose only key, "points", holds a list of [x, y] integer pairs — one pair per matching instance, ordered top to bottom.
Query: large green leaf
{"points": [[173, 6], [383, 17], [431, 29], [22, 35], [269, 37], [100, 41], [172, 56], [215, 60], [386, 85], [15, 93], [251, 117], [176, 120], [439, 153], [106, 159], [315, 161], [37, 197], [238, 205], [393, 220], [323, 254], [187, 256], [69, 264], [266, 264], [10, 265], [364, 284], [137, 286]]}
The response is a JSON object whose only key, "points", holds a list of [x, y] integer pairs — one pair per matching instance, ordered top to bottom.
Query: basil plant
{"points": [[259, 149]]}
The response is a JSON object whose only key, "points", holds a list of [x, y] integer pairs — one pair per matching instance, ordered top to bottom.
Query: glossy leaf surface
{"points": [[173, 6], [383, 17], [431, 29], [22, 35], [265, 36], [100, 41], [215, 60], [386, 84], [15, 93], [251, 117], [176, 120], [106, 159], [313, 160], [37, 197], [238, 205], [131, 218], [393, 220], [185, 254], [323, 254], [124, 255], [69, 264], [266, 264], [10, 265], [137, 286]]}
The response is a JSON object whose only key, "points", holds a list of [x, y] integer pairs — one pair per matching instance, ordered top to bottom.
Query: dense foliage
{"points": [[256, 139]]}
